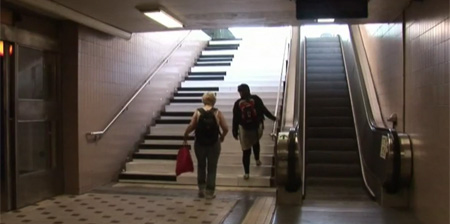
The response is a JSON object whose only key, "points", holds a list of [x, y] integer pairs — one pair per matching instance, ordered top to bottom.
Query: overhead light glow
{"points": [[164, 18], [325, 20]]}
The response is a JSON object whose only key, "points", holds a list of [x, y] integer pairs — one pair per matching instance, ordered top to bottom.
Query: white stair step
{"points": [[220, 83], [177, 107], [224, 158], [169, 168]]}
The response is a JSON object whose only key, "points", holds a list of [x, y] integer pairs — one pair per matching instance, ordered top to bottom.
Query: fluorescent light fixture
{"points": [[164, 18], [325, 20]]}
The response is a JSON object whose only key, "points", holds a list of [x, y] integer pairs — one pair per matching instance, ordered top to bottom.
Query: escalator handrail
{"points": [[392, 184]]}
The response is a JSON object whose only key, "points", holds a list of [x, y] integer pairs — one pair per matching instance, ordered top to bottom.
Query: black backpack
{"points": [[249, 117], [207, 131]]}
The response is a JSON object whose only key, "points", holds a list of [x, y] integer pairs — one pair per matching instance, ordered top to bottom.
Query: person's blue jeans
{"points": [[207, 159]]}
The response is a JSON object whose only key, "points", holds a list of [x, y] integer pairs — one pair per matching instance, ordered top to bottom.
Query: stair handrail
{"points": [[284, 66], [97, 135]]}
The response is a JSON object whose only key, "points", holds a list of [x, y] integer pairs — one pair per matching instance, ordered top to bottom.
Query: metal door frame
{"points": [[15, 37]]}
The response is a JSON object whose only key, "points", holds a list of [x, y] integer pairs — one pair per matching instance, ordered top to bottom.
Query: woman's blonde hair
{"points": [[209, 98]]}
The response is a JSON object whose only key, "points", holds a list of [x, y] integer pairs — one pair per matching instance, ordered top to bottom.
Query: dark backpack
{"points": [[249, 117], [207, 131]]}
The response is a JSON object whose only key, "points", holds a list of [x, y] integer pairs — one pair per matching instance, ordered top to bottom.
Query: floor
{"points": [[155, 204]]}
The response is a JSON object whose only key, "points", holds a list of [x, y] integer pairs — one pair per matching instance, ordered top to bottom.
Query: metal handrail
{"points": [[284, 66], [303, 107], [356, 127], [97, 135]]}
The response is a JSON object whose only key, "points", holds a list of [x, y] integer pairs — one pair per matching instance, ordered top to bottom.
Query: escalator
{"points": [[341, 150], [331, 151]]}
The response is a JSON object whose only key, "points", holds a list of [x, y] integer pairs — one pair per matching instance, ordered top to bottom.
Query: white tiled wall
{"points": [[426, 77]]}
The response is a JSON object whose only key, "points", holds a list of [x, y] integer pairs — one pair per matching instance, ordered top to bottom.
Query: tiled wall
{"points": [[383, 43], [427, 46], [110, 70]]}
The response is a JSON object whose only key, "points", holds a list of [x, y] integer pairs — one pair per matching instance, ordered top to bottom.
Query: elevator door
{"points": [[35, 170]]}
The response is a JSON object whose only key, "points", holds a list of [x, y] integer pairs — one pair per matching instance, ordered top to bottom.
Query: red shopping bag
{"points": [[184, 161]]}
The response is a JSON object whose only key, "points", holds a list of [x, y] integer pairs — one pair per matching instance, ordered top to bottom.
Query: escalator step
{"points": [[322, 39], [323, 44], [314, 50], [323, 56], [319, 62], [324, 69], [326, 77], [325, 85], [327, 93], [328, 102], [328, 111], [329, 122], [330, 132], [328, 144], [332, 156], [333, 170], [330, 181]]}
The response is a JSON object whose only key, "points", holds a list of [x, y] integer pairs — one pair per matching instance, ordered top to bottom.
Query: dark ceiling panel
{"points": [[338, 9]]}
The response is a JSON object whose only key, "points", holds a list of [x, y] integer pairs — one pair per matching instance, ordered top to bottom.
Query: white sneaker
{"points": [[210, 196]]}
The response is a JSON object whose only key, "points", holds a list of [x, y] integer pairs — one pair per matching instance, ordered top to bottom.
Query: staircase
{"points": [[222, 66], [331, 147]]}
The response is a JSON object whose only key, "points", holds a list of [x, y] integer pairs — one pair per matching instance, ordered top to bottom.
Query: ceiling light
{"points": [[164, 18], [325, 20]]}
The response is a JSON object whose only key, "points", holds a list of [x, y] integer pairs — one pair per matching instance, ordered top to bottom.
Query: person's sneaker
{"points": [[258, 162], [246, 176], [201, 194], [210, 196]]}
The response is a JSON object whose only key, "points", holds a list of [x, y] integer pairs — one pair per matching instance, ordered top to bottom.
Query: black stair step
{"points": [[225, 39], [323, 44], [218, 47], [325, 50], [217, 56], [323, 56], [226, 59], [319, 62], [212, 64], [325, 69], [207, 73], [326, 77], [201, 78], [325, 85], [198, 89], [327, 93], [188, 94], [185, 100], [328, 102], [328, 111], [177, 114], [172, 121], [329, 122], [330, 132], [167, 137], [329, 144], [161, 146], [155, 156], [332, 156], [333, 170], [150, 177], [330, 181]]}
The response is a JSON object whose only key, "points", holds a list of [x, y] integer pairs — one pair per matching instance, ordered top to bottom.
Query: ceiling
{"points": [[206, 14]]}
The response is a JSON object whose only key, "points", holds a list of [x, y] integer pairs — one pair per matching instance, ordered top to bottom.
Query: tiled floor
{"points": [[160, 204], [96, 208]]}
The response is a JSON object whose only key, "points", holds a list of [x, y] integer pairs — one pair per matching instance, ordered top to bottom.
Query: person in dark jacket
{"points": [[248, 124]]}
